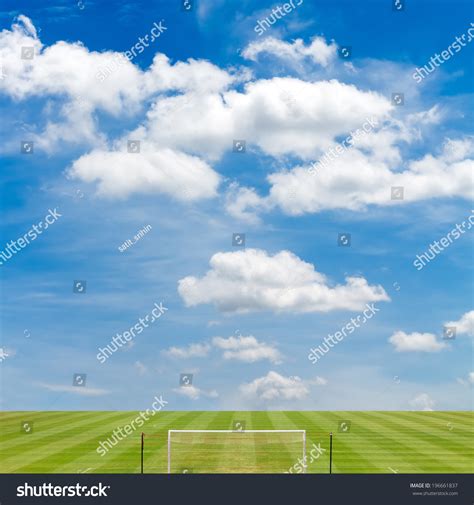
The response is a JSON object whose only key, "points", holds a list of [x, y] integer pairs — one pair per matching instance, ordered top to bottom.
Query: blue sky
{"points": [[242, 320]]}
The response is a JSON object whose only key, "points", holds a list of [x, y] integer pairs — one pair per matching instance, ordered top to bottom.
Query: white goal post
{"points": [[237, 434]]}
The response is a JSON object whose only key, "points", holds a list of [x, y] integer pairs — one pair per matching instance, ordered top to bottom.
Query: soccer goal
{"points": [[230, 451]]}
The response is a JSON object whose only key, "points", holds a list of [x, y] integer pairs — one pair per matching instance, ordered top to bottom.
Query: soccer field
{"points": [[363, 442]]}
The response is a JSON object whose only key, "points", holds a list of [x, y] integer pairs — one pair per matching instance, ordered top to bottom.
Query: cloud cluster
{"points": [[318, 50], [253, 280], [412, 342], [247, 349], [275, 387], [422, 402]]}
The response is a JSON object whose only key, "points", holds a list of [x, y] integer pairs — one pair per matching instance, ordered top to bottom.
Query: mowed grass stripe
{"points": [[42, 425], [317, 432], [44, 434], [435, 435], [186, 448], [449, 448], [52, 449], [404, 454], [284, 456], [349, 456], [124, 457], [157, 460]]}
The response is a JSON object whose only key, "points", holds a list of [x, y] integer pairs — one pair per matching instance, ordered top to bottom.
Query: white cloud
{"points": [[318, 51], [120, 174], [363, 175], [253, 280], [465, 325], [416, 342], [247, 349], [191, 351], [469, 380], [318, 381], [274, 386], [82, 391], [194, 393], [422, 402]]}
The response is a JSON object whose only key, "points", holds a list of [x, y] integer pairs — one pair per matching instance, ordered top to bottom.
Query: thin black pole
{"points": [[143, 436], [330, 452]]}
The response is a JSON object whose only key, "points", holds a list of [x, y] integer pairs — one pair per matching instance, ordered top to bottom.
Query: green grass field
{"points": [[377, 442]]}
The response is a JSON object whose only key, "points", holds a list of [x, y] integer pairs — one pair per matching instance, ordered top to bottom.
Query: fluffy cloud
{"points": [[318, 51], [119, 174], [363, 175], [253, 280], [465, 325], [416, 342], [246, 349], [191, 351], [274, 386], [194, 393], [422, 402]]}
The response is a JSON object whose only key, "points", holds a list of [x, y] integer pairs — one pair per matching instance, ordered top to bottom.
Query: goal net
{"points": [[229, 451]]}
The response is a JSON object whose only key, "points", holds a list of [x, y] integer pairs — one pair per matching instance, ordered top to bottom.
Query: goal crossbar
{"points": [[303, 432]]}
